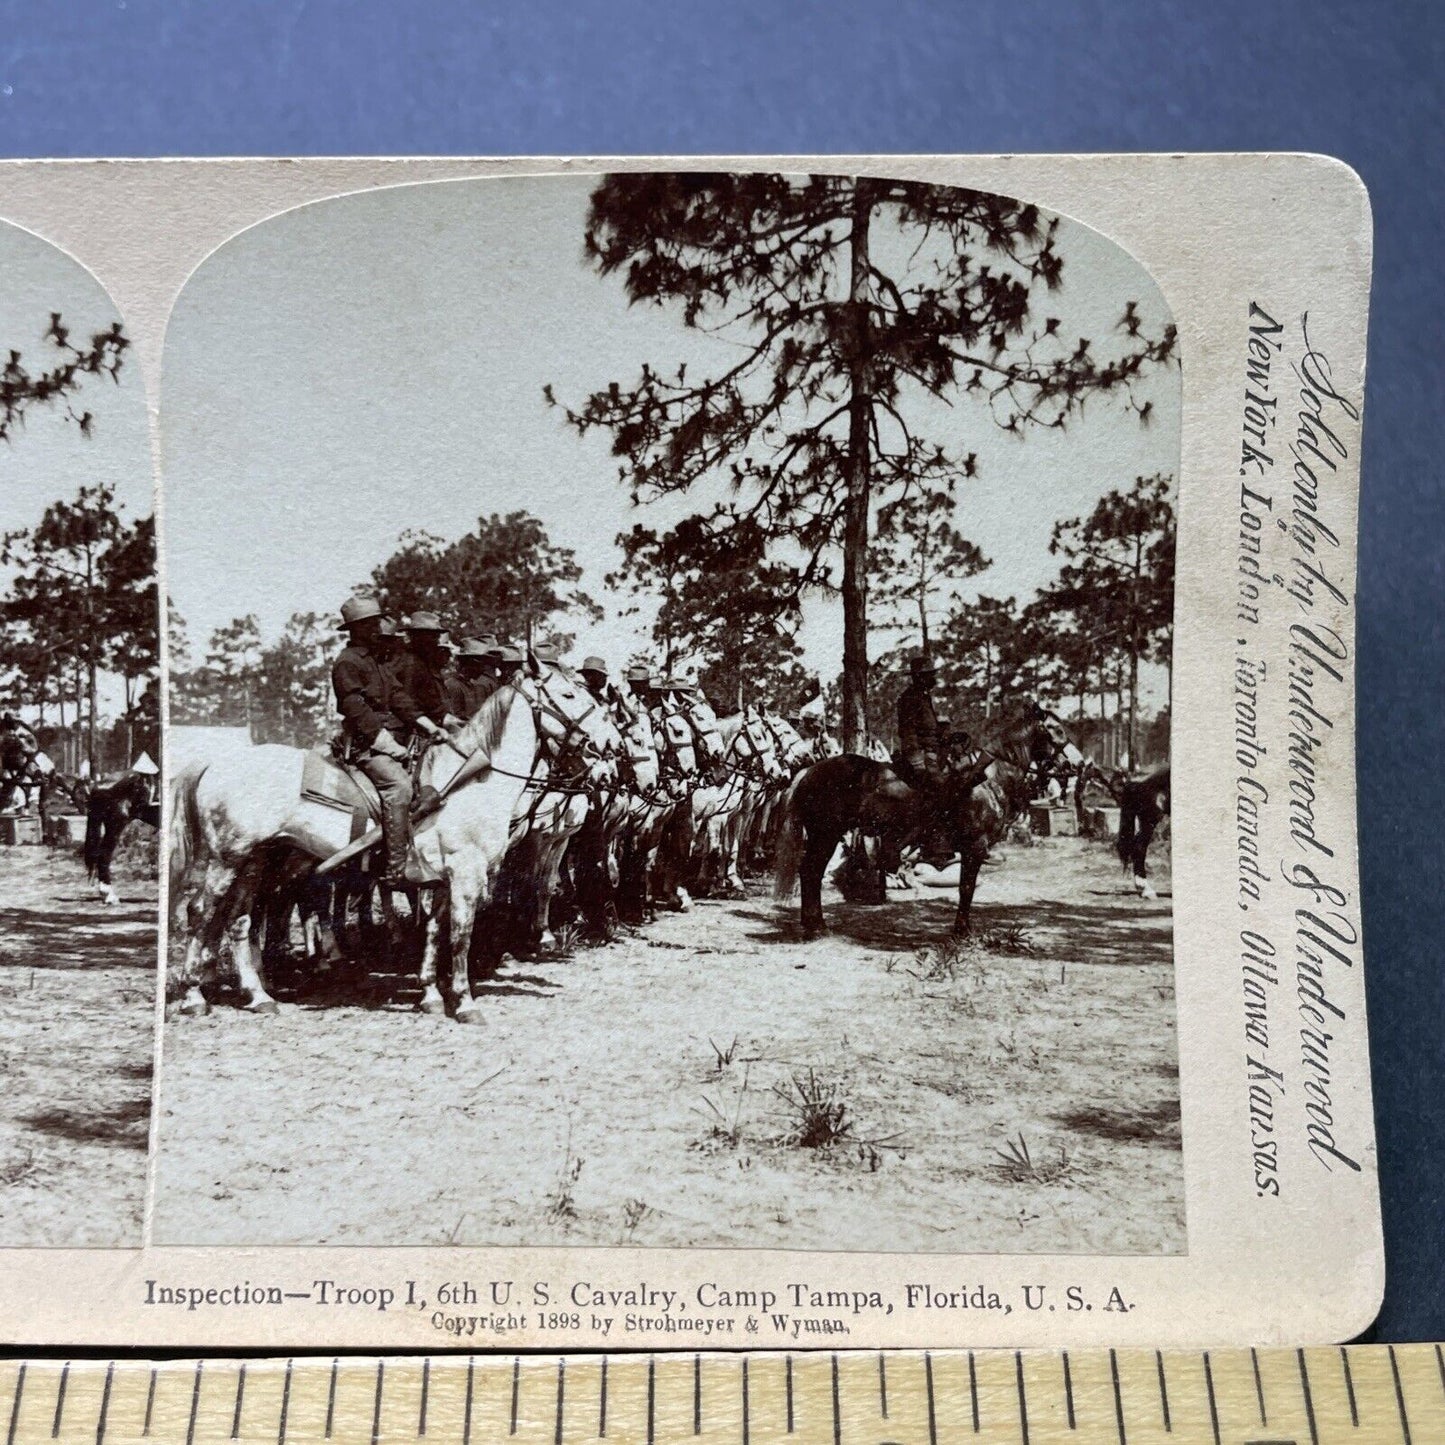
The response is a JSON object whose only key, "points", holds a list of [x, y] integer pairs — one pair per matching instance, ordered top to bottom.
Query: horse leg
{"points": [[818, 847], [970, 861], [1142, 884], [466, 888], [105, 890], [437, 914], [204, 919], [242, 930]]}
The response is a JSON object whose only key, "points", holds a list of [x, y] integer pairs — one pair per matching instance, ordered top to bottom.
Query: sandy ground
{"points": [[77, 1020], [647, 1092]]}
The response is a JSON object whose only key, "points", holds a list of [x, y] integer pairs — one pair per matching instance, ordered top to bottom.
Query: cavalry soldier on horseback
{"points": [[507, 663], [421, 670], [594, 674], [476, 680], [639, 684], [378, 717], [919, 758]]}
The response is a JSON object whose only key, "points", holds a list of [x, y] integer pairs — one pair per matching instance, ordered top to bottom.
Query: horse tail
{"points": [[95, 808], [1128, 823], [185, 842], [790, 842]]}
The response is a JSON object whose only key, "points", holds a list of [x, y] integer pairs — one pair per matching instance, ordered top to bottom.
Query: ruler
{"points": [[1360, 1394]]}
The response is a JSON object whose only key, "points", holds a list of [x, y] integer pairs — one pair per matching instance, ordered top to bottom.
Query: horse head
{"points": [[577, 732]]}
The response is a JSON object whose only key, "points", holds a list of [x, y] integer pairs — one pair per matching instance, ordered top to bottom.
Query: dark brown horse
{"points": [[1143, 802], [974, 806], [107, 811]]}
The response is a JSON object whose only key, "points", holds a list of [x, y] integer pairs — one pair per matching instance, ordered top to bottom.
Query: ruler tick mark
{"points": [[1440, 1365], [788, 1378], [928, 1379], [1304, 1380], [1259, 1386], [425, 1387], [516, 1387], [882, 1387], [1350, 1388], [1209, 1389], [972, 1390], [1069, 1390], [1163, 1393], [697, 1394], [240, 1395], [561, 1395], [1399, 1396], [652, 1397], [331, 1398], [1023, 1398], [1118, 1398], [60, 1400], [745, 1401], [195, 1403], [376, 1403], [104, 1404], [15, 1405], [602, 1405], [285, 1406], [467, 1410], [837, 1413], [145, 1429]]}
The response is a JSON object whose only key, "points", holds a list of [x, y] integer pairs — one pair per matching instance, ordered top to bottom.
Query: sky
{"points": [[349, 370], [46, 458]]}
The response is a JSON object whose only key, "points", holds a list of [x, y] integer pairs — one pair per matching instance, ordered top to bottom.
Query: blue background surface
{"points": [[1361, 81]]}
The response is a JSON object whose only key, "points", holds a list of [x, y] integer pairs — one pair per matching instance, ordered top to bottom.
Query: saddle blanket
{"points": [[326, 783]]}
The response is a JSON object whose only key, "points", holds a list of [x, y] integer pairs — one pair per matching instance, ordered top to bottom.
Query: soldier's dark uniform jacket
{"points": [[425, 685], [469, 693], [369, 697], [918, 730]]}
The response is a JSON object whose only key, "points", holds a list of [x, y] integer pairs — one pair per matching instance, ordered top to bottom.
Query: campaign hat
{"points": [[359, 609], [423, 622], [477, 647], [593, 664], [639, 674]]}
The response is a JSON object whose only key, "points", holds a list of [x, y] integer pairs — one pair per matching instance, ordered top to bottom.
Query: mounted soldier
{"points": [[506, 663], [421, 670], [594, 674], [476, 678], [639, 684], [378, 719], [19, 751], [919, 759]]}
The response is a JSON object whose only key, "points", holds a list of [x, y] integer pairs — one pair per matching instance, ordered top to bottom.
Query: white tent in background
{"points": [[144, 764]]}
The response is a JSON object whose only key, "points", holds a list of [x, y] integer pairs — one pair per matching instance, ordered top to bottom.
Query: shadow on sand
{"points": [[1123, 931], [117, 938]]}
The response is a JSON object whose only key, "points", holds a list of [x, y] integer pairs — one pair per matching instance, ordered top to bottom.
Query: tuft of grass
{"points": [[1007, 938], [723, 1057], [817, 1109], [725, 1130], [1018, 1165], [561, 1203], [633, 1213]]}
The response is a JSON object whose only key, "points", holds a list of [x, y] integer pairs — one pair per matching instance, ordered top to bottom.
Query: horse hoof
{"points": [[1148, 892], [684, 901], [431, 1003], [263, 1007], [472, 1015]]}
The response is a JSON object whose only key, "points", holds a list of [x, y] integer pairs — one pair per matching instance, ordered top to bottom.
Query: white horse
{"points": [[233, 815]]}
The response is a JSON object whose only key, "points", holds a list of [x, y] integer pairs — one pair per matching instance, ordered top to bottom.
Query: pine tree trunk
{"points": [[855, 514]]}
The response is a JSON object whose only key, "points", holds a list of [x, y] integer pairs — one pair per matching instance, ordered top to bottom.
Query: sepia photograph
{"points": [[669, 686], [79, 759]]}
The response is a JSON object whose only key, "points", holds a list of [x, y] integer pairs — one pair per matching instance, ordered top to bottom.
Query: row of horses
{"points": [[548, 806]]}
